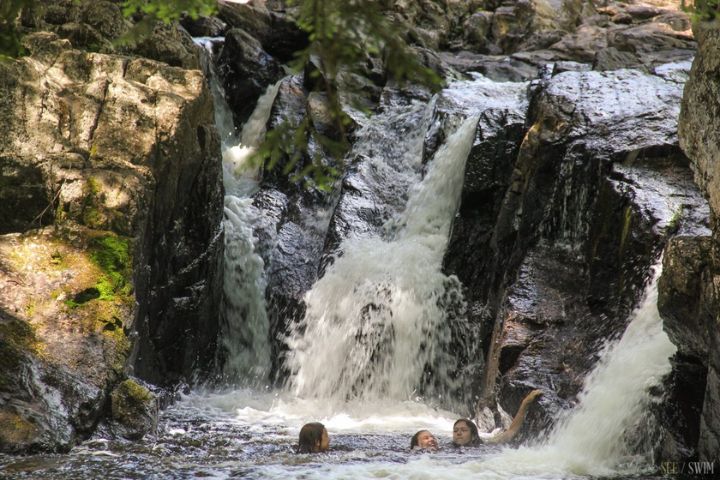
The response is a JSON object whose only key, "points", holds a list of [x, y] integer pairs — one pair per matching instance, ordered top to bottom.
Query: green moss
{"points": [[92, 214], [627, 223], [674, 223], [112, 254], [57, 259], [30, 308], [17, 340], [128, 399]]}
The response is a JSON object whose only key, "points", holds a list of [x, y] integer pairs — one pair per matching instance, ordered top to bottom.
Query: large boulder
{"points": [[247, 70], [699, 139], [121, 156], [565, 243]]}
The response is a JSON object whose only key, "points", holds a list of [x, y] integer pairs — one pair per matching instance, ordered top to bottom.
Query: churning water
{"points": [[375, 320], [374, 323], [245, 327], [246, 433]]}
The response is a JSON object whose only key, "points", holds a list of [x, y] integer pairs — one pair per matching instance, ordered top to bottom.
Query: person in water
{"points": [[465, 433], [313, 438], [423, 440]]}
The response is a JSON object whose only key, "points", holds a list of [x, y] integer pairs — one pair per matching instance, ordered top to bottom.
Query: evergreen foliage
{"points": [[701, 10], [343, 35]]}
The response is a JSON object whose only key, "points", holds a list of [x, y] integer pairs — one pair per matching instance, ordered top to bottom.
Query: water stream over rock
{"points": [[383, 345]]}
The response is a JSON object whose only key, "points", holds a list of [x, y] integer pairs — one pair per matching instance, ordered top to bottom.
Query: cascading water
{"points": [[375, 321], [245, 324], [375, 326], [594, 439]]}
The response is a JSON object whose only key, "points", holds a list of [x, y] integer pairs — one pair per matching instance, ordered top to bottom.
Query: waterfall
{"points": [[375, 321], [245, 327], [615, 398], [599, 437]]}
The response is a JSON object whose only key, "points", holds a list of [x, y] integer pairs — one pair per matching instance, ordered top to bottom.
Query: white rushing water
{"points": [[375, 319], [375, 322], [245, 327], [591, 441]]}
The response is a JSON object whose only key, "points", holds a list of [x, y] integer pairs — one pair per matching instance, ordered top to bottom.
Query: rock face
{"points": [[121, 156], [553, 243], [690, 296]]}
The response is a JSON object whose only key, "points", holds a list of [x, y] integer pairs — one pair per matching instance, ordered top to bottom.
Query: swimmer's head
{"points": [[465, 433], [313, 438], [423, 440]]}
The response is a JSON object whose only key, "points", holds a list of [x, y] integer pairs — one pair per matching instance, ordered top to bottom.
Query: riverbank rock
{"points": [[587, 201], [696, 260], [115, 262], [134, 410]]}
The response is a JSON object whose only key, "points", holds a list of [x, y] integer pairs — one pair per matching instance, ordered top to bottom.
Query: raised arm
{"points": [[517, 422]]}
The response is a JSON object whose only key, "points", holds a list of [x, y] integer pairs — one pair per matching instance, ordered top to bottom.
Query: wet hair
{"points": [[474, 436], [310, 437], [415, 438]]}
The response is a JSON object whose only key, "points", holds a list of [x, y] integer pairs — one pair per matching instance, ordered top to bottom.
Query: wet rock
{"points": [[250, 17], [204, 26], [277, 33], [247, 70], [697, 134], [292, 220], [567, 263], [129, 274], [686, 294], [134, 410], [680, 410]]}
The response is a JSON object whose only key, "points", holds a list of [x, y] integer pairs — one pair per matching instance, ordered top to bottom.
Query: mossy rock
{"points": [[134, 410], [16, 431]]}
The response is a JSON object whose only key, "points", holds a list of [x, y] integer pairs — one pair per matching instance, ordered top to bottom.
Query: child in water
{"points": [[465, 433], [313, 438]]}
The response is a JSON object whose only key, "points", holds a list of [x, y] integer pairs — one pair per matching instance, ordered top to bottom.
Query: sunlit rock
{"points": [[121, 156]]}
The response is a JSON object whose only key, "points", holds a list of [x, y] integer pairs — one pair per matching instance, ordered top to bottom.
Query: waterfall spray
{"points": [[376, 321], [245, 327]]}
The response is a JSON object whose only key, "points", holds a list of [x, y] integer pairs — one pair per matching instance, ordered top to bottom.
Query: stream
{"points": [[374, 322]]}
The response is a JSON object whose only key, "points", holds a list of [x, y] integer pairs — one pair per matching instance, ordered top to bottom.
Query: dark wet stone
{"points": [[204, 26], [276, 32], [498, 68], [247, 70], [584, 209], [679, 413]]}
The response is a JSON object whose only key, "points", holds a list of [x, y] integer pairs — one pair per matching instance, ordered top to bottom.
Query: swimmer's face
{"points": [[461, 434], [324, 441], [426, 441]]}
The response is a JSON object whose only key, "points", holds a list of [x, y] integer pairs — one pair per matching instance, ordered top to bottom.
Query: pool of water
{"points": [[246, 434]]}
